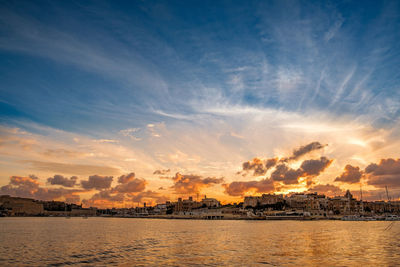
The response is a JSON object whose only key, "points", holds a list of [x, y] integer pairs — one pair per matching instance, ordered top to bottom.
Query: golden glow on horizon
{"points": [[218, 151]]}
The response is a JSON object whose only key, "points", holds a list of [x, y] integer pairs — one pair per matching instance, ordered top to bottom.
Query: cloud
{"points": [[333, 29], [130, 133], [105, 141], [301, 151], [60, 152], [269, 163], [257, 165], [260, 167], [313, 167], [385, 167], [71, 168], [309, 168], [161, 172], [385, 173], [283, 174], [286, 175], [350, 175], [123, 179], [61, 180], [29, 182], [97, 182], [189, 183], [135, 185], [29, 187], [240, 188], [327, 189], [106, 195], [149, 195], [109, 196], [104, 198], [73, 199]]}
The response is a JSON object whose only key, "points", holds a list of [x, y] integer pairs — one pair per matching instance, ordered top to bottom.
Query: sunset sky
{"points": [[115, 103]]}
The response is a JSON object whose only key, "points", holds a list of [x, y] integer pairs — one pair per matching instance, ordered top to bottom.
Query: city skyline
{"points": [[114, 103]]}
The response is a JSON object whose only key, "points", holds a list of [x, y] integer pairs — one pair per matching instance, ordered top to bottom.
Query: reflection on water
{"points": [[118, 241]]}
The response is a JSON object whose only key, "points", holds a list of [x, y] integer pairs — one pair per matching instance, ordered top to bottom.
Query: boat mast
{"points": [[388, 198], [361, 200]]}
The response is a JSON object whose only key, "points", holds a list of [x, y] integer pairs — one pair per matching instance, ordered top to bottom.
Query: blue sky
{"points": [[71, 64], [159, 76]]}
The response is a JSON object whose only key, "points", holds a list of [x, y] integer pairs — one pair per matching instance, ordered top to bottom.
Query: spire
{"points": [[348, 194]]}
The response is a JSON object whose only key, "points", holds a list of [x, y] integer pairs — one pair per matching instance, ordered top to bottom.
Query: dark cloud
{"points": [[297, 153], [269, 163], [258, 166], [313, 167], [385, 167], [309, 168], [161, 172], [386, 173], [282, 174], [286, 175], [350, 175], [123, 179], [61, 180], [97, 182], [189, 183], [135, 185], [29, 187], [240, 188], [327, 189], [107, 197]]}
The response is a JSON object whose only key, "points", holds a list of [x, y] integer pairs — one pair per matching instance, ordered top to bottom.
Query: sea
{"points": [[97, 241]]}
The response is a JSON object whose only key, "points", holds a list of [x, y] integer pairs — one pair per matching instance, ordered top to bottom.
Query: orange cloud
{"points": [[189, 183], [240, 188]]}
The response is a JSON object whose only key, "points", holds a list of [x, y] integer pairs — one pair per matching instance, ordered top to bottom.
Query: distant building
{"points": [[264, 199], [210, 202], [186, 205], [16, 206]]}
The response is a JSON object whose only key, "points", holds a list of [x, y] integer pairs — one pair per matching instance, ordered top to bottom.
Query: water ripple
{"points": [[141, 242]]}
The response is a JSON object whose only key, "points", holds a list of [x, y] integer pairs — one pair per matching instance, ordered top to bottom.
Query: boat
{"points": [[392, 217], [358, 218]]}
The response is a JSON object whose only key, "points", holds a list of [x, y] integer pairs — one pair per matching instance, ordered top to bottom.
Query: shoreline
{"points": [[177, 217]]}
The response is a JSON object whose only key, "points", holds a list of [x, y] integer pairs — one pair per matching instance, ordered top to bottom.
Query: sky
{"points": [[116, 103]]}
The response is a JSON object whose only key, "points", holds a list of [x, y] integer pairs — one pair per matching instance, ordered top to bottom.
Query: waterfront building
{"points": [[263, 200], [210, 202], [186, 205], [16, 206]]}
